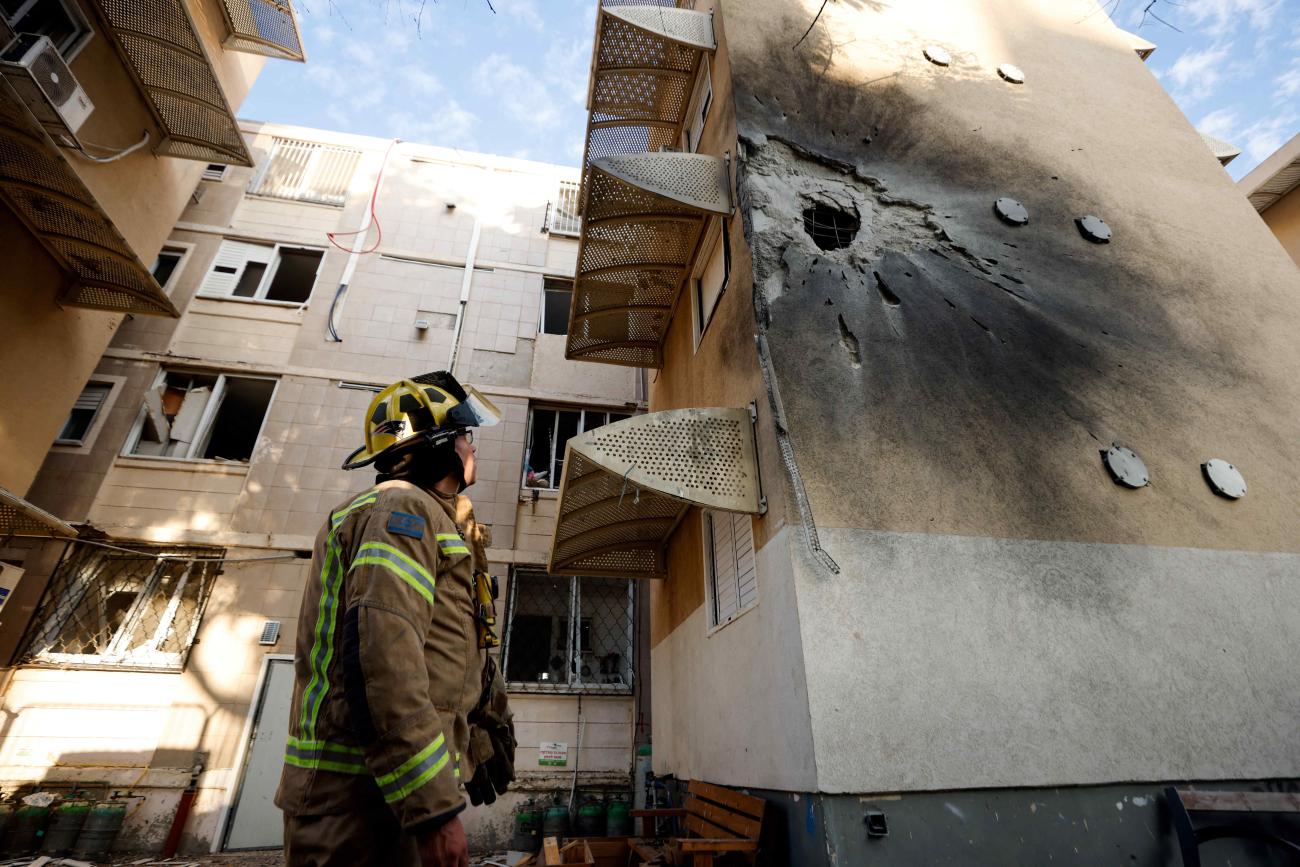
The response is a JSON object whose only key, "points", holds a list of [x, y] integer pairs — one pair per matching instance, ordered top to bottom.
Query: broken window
{"points": [[830, 227], [165, 266], [713, 270], [263, 272], [557, 297], [84, 412], [201, 416], [549, 431], [729, 556], [126, 606], [568, 634]]}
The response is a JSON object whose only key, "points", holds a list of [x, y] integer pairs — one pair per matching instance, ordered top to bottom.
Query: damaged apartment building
{"points": [[968, 490], [154, 652]]}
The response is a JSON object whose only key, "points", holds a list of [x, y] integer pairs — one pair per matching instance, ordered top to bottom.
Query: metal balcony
{"points": [[267, 27], [161, 50], [41, 188], [643, 220], [627, 486], [20, 518]]}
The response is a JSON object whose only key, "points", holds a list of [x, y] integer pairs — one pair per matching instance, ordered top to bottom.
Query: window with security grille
{"points": [[306, 172], [565, 216], [549, 431], [729, 562], [122, 607], [568, 634]]}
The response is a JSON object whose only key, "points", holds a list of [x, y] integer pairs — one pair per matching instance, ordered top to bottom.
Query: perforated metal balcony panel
{"points": [[267, 27], [161, 49], [43, 191], [643, 218], [627, 485], [20, 518]]}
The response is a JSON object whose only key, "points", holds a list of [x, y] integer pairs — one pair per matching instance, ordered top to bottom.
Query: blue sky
{"points": [[451, 72]]}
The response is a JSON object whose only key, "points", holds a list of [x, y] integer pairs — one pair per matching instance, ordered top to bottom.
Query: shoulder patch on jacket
{"points": [[406, 525]]}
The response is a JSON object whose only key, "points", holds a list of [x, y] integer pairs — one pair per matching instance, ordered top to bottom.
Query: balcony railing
{"points": [[267, 27], [160, 48], [306, 171], [43, 191], [565, 215], [627, 486]]}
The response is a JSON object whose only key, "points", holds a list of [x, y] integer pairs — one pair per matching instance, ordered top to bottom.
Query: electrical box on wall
{"points": [[9, 577]]}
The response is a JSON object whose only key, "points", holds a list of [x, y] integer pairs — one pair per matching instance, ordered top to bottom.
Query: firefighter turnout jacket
{"points": [[387, 664]]}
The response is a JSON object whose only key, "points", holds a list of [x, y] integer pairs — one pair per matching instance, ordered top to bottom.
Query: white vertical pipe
{"points": [[470, 254]]}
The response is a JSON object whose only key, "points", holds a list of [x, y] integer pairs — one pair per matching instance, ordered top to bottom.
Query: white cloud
{"points": [[523, 11], [1220, 17], [1197, 72], [1288, 83], [519, 91], [1221, 123], [1257, 140]]}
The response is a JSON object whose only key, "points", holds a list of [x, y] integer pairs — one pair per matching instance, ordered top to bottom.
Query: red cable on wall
{"points": [[374, 218]]}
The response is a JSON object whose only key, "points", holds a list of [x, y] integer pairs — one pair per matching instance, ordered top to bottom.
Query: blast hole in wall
{"points": [[830, 227]]}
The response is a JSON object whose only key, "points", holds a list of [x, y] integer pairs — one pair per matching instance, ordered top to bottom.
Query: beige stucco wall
{"points": [[143, 195], [1283, 220]]}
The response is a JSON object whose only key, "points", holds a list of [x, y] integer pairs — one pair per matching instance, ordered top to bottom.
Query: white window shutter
{"points": [[221, 279], [724, 566], [746, 572]]}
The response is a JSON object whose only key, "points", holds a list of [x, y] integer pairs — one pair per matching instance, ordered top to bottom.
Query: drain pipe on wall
{"points": [[354, 254], [470, 254]]}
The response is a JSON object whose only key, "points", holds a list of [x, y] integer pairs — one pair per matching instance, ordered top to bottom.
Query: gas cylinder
{"points": [[6, 813], [591, 818], [618, 819], [555, 821], [65, 826], [528, 828], [25, 829], [100, 830]]}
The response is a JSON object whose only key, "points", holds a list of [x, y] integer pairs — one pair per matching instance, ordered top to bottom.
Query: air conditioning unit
{"points": [[46, 84]]}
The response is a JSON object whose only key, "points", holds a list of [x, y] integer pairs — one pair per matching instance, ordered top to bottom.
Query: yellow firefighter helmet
{"points": [[432, 408]]}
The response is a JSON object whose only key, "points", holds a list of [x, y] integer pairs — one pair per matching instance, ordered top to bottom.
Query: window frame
{"points": [[70, 8], [701, 107], [217, 176], [302, 192], [718, 235], [184, 250], [264, 285], [541, 310], [97, 420], [203, 431], [555, 431], [573, 616], [715, 621], [149, 658]]}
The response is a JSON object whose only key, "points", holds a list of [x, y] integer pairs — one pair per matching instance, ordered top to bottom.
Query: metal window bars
{"points": [[267, 27], [306, 171], [565, 216], [112, 608], [569, 634]]}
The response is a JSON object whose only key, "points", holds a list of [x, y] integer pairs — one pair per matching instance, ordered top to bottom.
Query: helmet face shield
{"points": [[474, 411]]}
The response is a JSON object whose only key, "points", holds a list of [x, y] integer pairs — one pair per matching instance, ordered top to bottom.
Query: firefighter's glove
{"points": [[492, 751]]}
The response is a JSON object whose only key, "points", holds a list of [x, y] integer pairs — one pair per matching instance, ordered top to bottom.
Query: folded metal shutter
{"points": [[307, 172], [233, 255], [735, 578]]}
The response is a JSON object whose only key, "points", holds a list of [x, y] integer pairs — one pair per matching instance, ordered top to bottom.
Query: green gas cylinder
{"points": [[591, 817], [618, 819], [555, 821], [65, 826], [528, 828], [25, 829], [100, 830]]}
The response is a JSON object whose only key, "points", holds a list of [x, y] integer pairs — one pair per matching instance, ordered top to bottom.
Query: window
{"points": [[60, 20], [701, 102], [215, 172], [306, 172], [564, 216], [166, 265], [263, 272], [711, 276], [557, 296], [83, 415], [201, 416], [549, 431], [729, 561], [137, 608], [568, 634]]}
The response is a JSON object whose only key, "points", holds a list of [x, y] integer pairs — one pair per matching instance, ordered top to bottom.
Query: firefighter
{"points": [[398, 710]]}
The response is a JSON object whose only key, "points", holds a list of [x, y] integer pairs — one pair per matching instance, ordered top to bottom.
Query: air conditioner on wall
{"points": [[46, 84]]}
